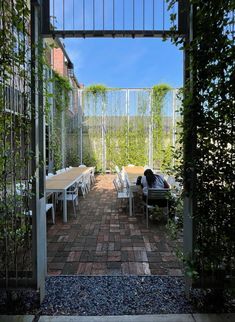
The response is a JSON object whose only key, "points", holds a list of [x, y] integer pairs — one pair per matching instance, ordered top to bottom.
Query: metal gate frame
{"points": [[40, 14]]}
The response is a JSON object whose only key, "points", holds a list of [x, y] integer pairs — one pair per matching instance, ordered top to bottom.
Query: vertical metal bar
{"points": [[133, 6], [83, 8], [123, 12], [63, 14], [113, 14], [153, 14], [53, 15], [93, 15], [103, 15], [143, 15], [163, 15], [73, 16], [182, 16], [46, 17], [173, 120], [128, 121], [151, 126], [12, 138], [81, 143], [189, 145], [38, 220]]}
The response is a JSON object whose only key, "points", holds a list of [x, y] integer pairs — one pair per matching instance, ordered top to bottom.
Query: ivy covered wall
{"points": [[16, 110], [128, 126], [208, 153]]}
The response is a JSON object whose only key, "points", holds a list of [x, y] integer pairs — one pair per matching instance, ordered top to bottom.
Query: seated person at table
{"points": [[151, 180]]}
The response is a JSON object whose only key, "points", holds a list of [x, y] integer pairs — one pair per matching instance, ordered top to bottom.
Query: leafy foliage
{"points": [[96, 89], [61, 92], [58, 96], [120, 133], [208, 137], [15, 149], [161, 159]]}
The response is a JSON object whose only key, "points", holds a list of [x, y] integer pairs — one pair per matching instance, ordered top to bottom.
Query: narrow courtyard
{"points": [[104, 240]]}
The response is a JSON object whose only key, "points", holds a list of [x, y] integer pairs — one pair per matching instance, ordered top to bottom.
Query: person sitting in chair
{"points": [[151, 180]]}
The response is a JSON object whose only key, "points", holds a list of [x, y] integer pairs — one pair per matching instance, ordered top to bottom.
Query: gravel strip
{"points": [[115, 295], [118, 295]]}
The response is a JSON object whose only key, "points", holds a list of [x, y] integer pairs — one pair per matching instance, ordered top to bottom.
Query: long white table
{"points": [[132, 173], [61, 182]]}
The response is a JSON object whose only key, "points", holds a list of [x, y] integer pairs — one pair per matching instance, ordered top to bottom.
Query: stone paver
{"points": [[104, 240], [214, 317], [16, 318], [121, 318], [125, 318], [144, 318]]}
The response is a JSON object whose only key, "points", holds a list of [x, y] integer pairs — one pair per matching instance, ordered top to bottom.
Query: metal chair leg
{"points": [[74, 210], [53, 214], [147, 217]]}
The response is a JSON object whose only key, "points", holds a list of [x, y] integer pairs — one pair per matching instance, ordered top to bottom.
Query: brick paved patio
{"points": [[104, 240]]}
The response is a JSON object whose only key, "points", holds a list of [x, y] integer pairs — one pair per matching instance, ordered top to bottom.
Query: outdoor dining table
{"points": [[132, 173], [61, 182]]}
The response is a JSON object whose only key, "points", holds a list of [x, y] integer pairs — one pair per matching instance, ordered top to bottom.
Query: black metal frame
{"points": [[47, 31]]}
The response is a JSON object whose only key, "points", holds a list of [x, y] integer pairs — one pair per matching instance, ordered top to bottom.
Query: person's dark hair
{"points": [[150, 177]]}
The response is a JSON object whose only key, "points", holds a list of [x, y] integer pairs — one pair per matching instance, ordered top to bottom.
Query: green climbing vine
{"points": [[57, 91], [95, 97], [120, 120], [208, 138], [161, 143], [15, 148]]}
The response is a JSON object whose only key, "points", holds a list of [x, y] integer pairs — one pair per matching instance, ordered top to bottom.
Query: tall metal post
{"points": [[128, 120], [173, 120], [150, 132], [103, 137], [38, 142], [81, 143], [189, 146], [63, 147]]}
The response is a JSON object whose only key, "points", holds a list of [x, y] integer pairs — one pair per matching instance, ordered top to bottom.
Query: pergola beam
{"points": [[49, 30], [108, 33]]}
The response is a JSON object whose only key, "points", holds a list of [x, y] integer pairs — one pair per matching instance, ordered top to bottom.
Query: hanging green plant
{"points": [[96, 89], [62, 92], [159, 93], [16, 110], [208, 138]]}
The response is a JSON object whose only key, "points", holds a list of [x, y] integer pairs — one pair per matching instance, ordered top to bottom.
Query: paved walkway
{"points": [[104, 240], [125, 318]]}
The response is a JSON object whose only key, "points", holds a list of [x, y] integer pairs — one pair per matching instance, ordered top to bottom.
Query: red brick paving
{"points": [[104, 240]]}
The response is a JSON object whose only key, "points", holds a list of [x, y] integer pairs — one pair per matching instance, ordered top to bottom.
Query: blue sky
{"points": [[119, 62], [127, 62]]}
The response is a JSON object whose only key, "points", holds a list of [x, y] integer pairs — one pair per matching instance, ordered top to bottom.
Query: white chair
{"points": [[82, 166], [147, 167], [117, 169], [49, 175], [92, 175], [122, 178], [87, 180], [171, 180], [82, 187], [20, 188], [122, 193], [155, 195], [72, 196], [48, 207]]}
